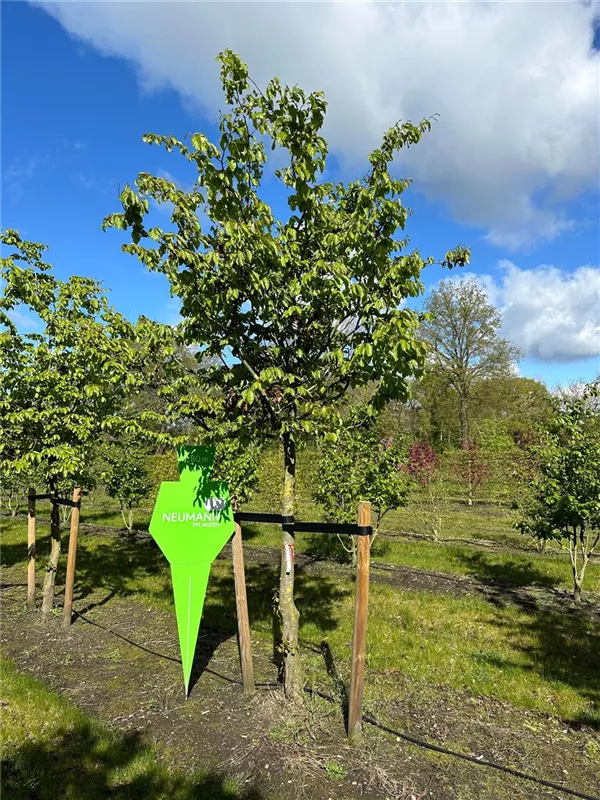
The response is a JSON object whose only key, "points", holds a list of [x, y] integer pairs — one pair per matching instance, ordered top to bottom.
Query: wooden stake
{"points": [[73, 535], [31, 549], [241, 602], [359, 639]]}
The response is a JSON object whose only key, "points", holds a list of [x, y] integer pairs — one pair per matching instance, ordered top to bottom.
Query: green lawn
{"points": [[540, 659], [51, 749]]}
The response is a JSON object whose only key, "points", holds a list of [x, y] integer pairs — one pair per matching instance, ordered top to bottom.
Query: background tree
{"points": [[296, 312], [463, 340], [65, 386], [518, 406], [360, 465], [470, 467], [126, 477], [429, 502], [564, 504]]}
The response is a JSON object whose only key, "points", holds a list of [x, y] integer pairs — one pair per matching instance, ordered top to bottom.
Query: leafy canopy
{"points": [[287, 314], [67, 384], [565, 499]]}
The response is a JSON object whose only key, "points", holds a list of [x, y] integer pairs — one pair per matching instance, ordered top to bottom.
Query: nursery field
{"points": [[473, 644]]}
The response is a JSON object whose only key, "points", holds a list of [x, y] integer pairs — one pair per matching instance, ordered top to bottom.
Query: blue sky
{"points": [[80, 86]]}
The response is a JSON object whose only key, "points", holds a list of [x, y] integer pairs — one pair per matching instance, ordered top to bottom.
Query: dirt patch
{"points": [[120, 661]]}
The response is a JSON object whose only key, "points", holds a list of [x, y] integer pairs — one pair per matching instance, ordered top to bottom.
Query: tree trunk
{"points": [[464, 422], [127, 516], [52, 566], [577, 574], [287, 607]]}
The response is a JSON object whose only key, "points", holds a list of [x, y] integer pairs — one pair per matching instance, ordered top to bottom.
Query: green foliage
{"points": [[288, 315], [66, 385], [502, 407], [493, 436], [237, 463], [360, 465], [163, 467], [126, 478], [565, 499]]}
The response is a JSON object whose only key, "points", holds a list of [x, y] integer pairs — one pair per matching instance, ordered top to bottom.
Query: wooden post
{"points": [[73, 535], [31, 549], [241, 602], [359, 639]]}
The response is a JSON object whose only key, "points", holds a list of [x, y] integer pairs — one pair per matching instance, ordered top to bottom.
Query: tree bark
{"points": [[464, 421], [52, 566], [287, 607]]}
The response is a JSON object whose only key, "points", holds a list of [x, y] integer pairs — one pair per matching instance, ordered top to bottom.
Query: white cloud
{"points": [[516, 85], [18, 173], [84, 180], [550, 314], [25, 320]]}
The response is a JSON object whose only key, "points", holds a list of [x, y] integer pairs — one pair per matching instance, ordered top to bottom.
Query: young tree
{"points": [[295, 311], [463, 340], [64, 386], [360, 465], [471, 468], [126, 477], [565, 500], [430, 501]]}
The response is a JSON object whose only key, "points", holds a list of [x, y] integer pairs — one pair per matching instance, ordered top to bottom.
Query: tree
{"points": [[295, 312], [463, 340], [65, 386], [518, 405], [360, 465], [470, 468], [126, 478], [13, 489], [565, 500], [430, 502]]}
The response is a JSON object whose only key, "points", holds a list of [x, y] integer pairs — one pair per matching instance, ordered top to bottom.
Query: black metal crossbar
{"points": [[58, 500], [69, 503], [251, 516], [304, 527], [333, 527]]}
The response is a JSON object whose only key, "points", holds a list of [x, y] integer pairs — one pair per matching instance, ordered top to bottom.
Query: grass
{"points": [[534, 658], [52, 749]]}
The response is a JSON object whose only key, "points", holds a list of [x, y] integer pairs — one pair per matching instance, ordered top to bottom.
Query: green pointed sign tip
{"points": [[189, 589]]}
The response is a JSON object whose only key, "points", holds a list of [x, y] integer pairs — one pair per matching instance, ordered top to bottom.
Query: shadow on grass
{"points": [[327, 547], [126, 566], [507, 573], [566, 644], [566, 649], [339, 686], [82, 764]]}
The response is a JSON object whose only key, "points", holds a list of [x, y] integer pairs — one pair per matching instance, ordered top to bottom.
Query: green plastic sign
{"points": [[191, 523]]}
